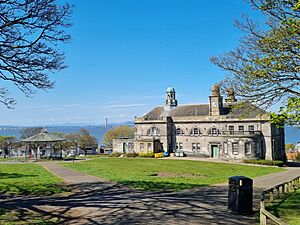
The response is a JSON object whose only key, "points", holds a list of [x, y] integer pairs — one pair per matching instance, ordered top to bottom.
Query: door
{"points": [[215, 151]]}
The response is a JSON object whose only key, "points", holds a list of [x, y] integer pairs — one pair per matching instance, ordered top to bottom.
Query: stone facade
{"points": [[228, 130]]}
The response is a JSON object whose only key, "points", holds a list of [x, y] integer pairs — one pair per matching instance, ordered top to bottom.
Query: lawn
{"points": [[155, 174], [28, 179], [288, 208], [25, 217]]}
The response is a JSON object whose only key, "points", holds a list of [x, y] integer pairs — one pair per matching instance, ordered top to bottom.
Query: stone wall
{"points": [[264, 141]]}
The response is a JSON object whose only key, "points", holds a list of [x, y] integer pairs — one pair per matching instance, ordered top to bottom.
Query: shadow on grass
{"points": [[15, 175], [159, 186], [32, 189], [110, 203], [291, 203], [17, 216]]}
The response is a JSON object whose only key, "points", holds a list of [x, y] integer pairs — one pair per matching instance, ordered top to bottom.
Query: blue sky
{"points": [[124, 55]]}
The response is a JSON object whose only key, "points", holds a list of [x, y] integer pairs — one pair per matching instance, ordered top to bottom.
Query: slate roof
{"points": [[246, 110]]}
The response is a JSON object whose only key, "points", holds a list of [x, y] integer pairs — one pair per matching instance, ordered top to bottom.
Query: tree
{"points": [[30, 32], [265, 68], [28, 132], [118, 132], [85, 140], [5, 143], [289, 147]]}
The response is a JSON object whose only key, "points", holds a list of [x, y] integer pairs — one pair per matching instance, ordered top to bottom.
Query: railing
{"points": [[241, 133], [277, 192]]}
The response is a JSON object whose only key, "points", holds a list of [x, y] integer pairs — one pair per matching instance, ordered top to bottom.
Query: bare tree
{"points": [[30, 34], [30, 131]]}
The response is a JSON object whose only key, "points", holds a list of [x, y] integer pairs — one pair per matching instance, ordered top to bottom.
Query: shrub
{"points": [[115, 154], [132, 154], [147, 155], [265, 162]]}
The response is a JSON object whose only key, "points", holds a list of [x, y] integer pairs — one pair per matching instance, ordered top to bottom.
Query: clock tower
{"points": [[215, 101]]}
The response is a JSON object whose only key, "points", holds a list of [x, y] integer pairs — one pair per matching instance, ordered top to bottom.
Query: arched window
{"points": [[153, 131], [178, 131], [196, 131], [214, 132]]}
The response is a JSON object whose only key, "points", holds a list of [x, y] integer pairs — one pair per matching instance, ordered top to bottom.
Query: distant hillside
{"points": [[95, 130], [292, 134]]}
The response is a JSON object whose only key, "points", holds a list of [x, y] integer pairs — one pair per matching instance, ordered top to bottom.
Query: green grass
{"points": [[14, 159], [153, 174], [28, 179], [288, 208], [24, 217]]}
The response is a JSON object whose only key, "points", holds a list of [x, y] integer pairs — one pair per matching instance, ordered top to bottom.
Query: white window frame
{"points": [[225, 147], [235, 151], [248, 151]]}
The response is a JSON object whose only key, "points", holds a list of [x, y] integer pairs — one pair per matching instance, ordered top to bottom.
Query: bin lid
{"points": [[237, 178]]}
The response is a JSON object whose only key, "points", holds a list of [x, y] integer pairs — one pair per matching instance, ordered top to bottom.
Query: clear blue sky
{"points": [[124, 54]]}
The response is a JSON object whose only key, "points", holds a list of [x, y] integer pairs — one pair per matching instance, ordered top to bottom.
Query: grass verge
{"points": [[153, 174], [28, 179], [288, 208]]}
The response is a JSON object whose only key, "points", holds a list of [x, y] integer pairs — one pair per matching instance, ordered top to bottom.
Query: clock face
{"points": [[214, 104]]}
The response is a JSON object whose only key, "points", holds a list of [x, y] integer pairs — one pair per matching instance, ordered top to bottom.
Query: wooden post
{"points": [[278, 192], [271, 195], [262, 216]]}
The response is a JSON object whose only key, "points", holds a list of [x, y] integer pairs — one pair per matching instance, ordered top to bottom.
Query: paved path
{"points": [[69, 176], [268, 181], [96, 201]]}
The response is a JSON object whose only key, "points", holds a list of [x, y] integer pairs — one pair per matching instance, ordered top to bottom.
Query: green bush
{"points": [[115, 154], [132, 154], [147, 155], [265, 162]]}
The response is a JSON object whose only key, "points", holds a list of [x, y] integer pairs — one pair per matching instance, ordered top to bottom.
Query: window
{"points": [[251, 129], [231, 130], [241, 130], [153, 131], [178, 131], [196, 131], [214, 132], [130, 146], [142, 146], [149, 146], [179, 146], [196, 147], [255, 147], [225, 148], [235, 148], [247, 148]]}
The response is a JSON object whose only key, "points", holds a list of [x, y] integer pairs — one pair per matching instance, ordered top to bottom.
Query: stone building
{"points": [[220, 129]]}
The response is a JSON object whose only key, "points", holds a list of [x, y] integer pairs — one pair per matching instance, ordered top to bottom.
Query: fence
{"points": [[276, 192]]}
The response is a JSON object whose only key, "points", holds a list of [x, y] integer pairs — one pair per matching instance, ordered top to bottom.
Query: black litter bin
{"points": [[240, 194]]}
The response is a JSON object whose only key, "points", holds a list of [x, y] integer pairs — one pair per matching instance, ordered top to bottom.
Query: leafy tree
{"points": [[30, 31], [265, 68], [30, 131], [118, 132], [85, 140], [5, 143], [289, 146]]}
